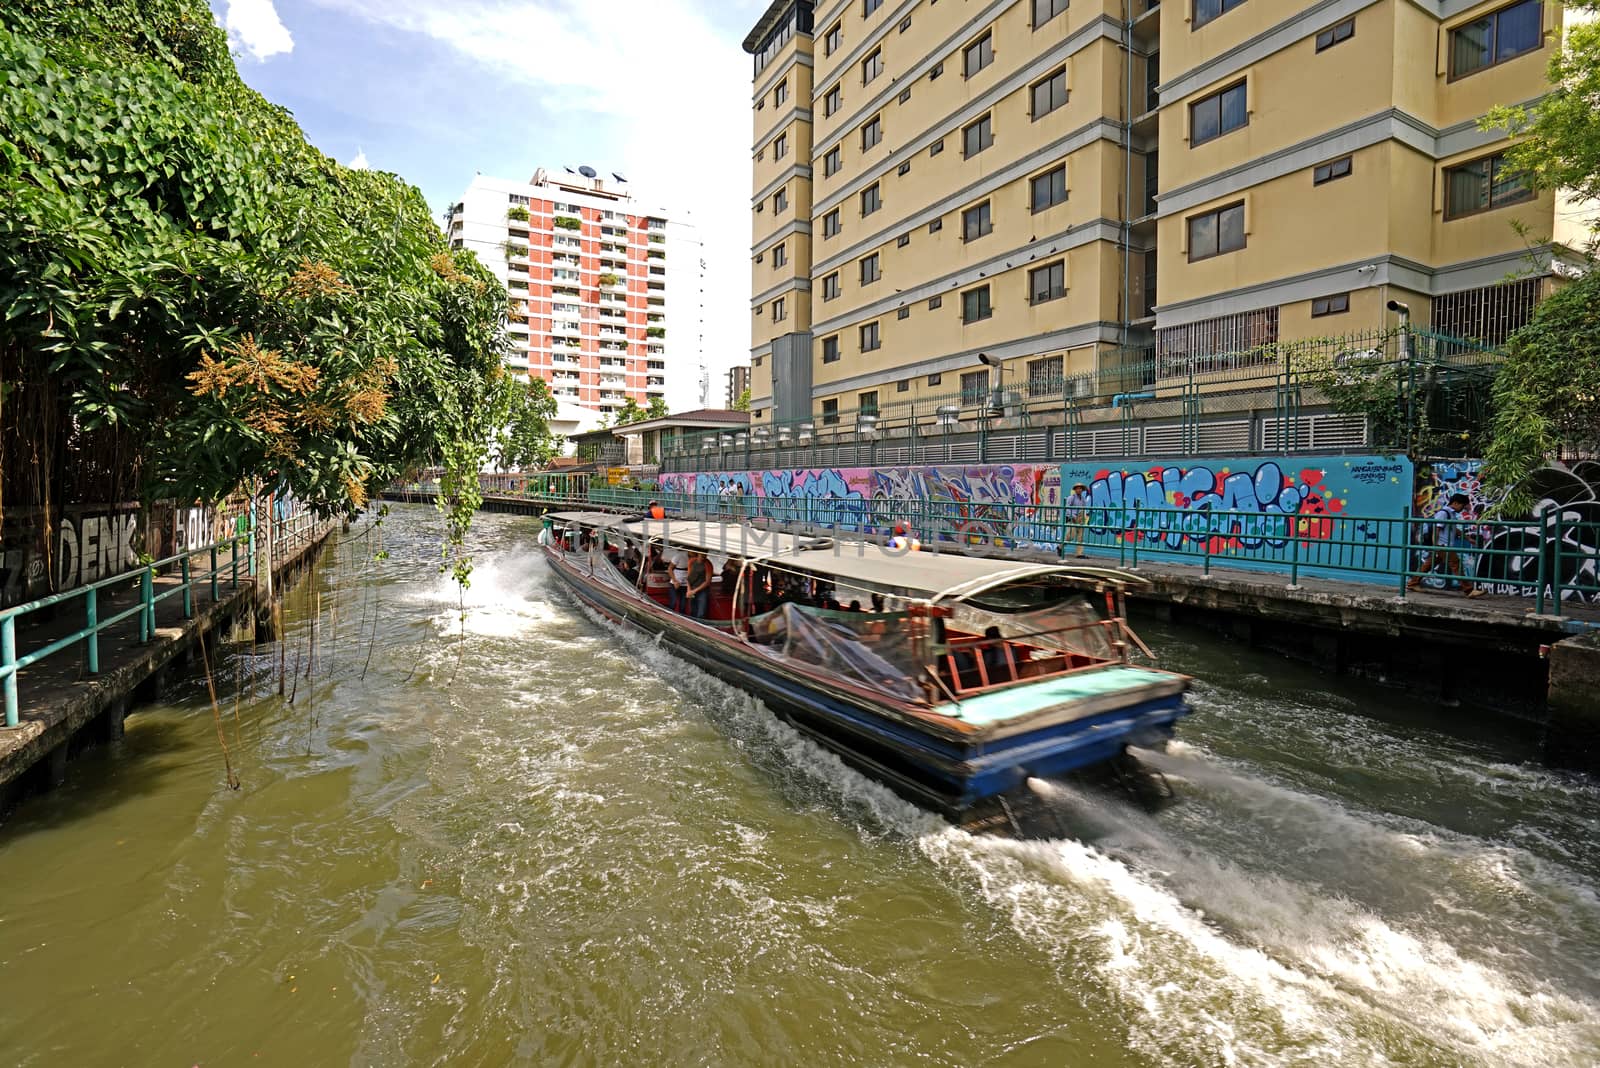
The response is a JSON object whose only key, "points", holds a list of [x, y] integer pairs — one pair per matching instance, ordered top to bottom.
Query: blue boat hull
{"points": [[953, 774]]}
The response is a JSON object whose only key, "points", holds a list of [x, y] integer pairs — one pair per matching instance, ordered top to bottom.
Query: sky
{"points": [[436, 90]]}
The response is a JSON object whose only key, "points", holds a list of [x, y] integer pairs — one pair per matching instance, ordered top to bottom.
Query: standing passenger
{"points": [[700, 573], [678, 595]]}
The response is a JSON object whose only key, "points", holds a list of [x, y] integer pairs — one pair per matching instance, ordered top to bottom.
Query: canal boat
{"points": [[954, 680]]}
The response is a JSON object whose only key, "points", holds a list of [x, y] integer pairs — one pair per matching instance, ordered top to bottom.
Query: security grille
{"points": [[1490, 314]]}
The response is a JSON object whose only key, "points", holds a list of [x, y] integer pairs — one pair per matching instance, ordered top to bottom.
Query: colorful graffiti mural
{"points": [[1561, 534]]}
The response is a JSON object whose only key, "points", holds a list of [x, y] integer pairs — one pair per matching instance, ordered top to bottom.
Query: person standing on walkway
{"points": [[1076, 514], [1450, 534], [699, 576]]}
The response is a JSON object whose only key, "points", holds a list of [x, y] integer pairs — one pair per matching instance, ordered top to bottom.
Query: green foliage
{"points": [[1559, 140], [517, 212], [564, 223], [514, 248], [609, 279], [655, 331], [1547, 396], [743, 403], [526, 441]]}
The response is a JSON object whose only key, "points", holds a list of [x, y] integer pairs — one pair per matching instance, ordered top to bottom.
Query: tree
{"points": [[1559, 139], [1547, 394], [743, 403], [631, 412], [526, 441]]}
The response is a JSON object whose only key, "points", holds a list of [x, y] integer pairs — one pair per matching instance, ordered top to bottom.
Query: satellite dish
{"points": [[569, 170], [588, 172], [539, 176], [618, 177]]}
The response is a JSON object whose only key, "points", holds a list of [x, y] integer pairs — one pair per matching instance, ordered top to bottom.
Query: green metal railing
{"points": [[287, 534], [1551, 560]]}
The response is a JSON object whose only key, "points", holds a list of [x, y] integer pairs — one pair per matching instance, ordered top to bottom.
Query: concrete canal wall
{"points": [[64, 710]]}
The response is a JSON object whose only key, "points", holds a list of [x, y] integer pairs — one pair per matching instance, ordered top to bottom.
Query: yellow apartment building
{"points": [[1053, 186]]}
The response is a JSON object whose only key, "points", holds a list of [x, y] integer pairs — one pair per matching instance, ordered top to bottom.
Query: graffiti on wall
{"points": [[1559, 537]]}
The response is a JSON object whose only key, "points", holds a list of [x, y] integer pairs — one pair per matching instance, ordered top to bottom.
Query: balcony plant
{"points": [[517, 213], [563, 223], [655, 331]]}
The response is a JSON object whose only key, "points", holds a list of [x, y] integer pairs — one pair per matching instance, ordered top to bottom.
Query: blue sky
{"points": [[435, 90]]}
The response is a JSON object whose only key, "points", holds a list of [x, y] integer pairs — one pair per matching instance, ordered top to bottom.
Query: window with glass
{"points": [[869, 6], [1045, 10], [1206, 10], [1336, 35], [1496, 37], [832, 39], [978, 55], [872, 66], [780, 94], [1049, 94], [832, 101], [1222, 112], [871, 133], [977, 137], [780, 147], [936, 148], [832, 161], [1333, 169], [1482, 185], [1048, 189], [780, 201], [871, 201], [975, 222], [830, 224], [935, 226], [1216, 232], [780, 255], [869, 269], [1048, 282], [830, 286], [935, 303], [1337, 304], [975, 305], [778, 310], [903, 313], [869, 337], [830, 349], [1045, 376], [935, 379], [903, 386], [974, 387], [867, 403], [830, 413]]}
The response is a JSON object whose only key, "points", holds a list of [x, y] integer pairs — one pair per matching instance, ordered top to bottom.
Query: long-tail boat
{"points": [[952, 679]]}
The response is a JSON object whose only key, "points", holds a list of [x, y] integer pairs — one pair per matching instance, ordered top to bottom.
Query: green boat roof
{"points": [[1092, 692]]}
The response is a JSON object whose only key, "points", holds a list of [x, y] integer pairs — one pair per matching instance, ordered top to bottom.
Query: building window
{"points": [[869, 6], [1045, 10], [1206, 10], [1336, 34], [1501, 35], [830, 42], [978, 55], [872, 66], [935, 70], [780, 94], [1049, 94], [905, 95], [833, 101], [1222, 112], [871, 133], [977, 137], [780, 147], [936, 148], [832, 161], [904, 168], [1338, 168], [1482, 185], [1048, 189], [871, 200], [780, 201], [975, 222], [830, 224], [935, 226], [1216, 232], [903, 240], [780, 256], [869, 269], [1048, 282], [830, 286], [934, 303], [975, 305], [1334, 305], [778, 312], [903, 313], [1490, 314], [869, 337], [1226, 343], [830, 349], [1045, 376], [935, 379], [903, 386], [974, 387], [867, 403], [830, 413]]}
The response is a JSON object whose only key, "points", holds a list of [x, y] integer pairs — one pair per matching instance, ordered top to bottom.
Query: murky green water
{"points": [[552, 843]]}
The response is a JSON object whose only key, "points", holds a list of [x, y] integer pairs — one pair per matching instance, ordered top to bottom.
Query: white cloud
{"points": [[253, 26], [678, 87], [360, 162]]}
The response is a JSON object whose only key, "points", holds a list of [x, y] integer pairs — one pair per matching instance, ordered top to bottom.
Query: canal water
{"points": [[490, 829]]}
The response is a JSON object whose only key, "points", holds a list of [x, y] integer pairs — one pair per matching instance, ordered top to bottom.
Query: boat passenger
{"points": [[700, 575], [730, 577], [656, 579], [678, 595], [877, 602], [855, 606], [995, 664]]}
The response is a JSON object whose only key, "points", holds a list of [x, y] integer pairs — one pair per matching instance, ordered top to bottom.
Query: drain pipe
{"points": [[1127, 175]]}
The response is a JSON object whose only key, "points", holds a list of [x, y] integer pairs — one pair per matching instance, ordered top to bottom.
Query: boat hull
{"points": [[955, 770]]}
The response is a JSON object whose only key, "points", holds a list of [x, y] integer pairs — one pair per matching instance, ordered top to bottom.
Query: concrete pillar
{"points": [[1574, 701], [114, 718]]}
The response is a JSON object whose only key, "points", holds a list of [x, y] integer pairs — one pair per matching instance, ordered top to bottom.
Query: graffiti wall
{"points": [[1561, 533]]}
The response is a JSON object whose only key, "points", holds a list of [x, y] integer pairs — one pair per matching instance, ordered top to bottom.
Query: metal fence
{"points": [[1270, 398]]}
